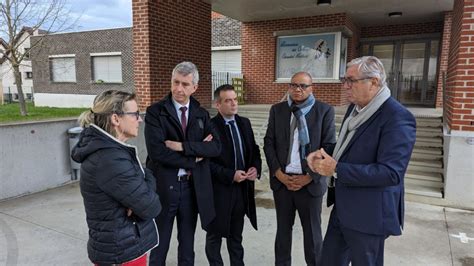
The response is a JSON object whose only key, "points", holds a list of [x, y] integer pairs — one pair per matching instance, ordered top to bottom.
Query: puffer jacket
{"points": [[112, 181]]}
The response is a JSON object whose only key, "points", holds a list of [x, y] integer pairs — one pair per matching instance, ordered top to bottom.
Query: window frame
{"points": [[58, 57], [93, 69]]}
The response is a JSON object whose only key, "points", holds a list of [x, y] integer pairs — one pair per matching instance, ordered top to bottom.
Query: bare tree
{"points": [[49, 16]]}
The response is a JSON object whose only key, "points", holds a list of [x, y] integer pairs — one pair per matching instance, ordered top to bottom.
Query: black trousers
{"points": [[183, 206], [309, 210], [234, 241], [343, 245]]}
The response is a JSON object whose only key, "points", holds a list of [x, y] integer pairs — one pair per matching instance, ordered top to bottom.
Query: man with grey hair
{"points": [[180, 139], [367, 168]]}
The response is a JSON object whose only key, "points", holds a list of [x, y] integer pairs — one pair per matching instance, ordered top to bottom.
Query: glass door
{"points": [[411, 68]]}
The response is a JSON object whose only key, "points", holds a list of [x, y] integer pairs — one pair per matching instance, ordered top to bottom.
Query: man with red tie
{"points": [[180, 139]]}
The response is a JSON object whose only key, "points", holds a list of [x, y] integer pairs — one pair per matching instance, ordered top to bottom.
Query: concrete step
{"points": [[431, 124], [429, 134], [429, 139], [428, 144], [428, 150], [426, 156], [427, 163], [425, 169], [417, 176], [423, 191]]}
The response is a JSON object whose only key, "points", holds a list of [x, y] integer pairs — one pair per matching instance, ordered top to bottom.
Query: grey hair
{"points": [[371, 67], [186, 68]]}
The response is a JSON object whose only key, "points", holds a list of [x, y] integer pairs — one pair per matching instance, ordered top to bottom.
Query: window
{"points": [[27, 54], [322, 55], [107, 67], [63, 68], [29, 75]]}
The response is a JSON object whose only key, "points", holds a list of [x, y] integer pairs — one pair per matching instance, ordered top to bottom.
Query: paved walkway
{"points": [[49, 228]]}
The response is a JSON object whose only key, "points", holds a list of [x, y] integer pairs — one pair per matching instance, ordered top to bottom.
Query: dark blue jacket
{"points": [[112, 181], [369, 192]]}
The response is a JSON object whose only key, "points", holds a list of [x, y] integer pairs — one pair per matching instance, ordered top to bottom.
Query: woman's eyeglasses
{"points": [[136, 114]]}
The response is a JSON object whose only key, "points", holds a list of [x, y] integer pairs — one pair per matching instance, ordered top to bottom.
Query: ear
{"points": [[195, 88], [114, 119]]}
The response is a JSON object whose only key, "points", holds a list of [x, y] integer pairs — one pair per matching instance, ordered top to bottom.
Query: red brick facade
{"points": [[165, 34], [163, 38], [443, 56], [258, 57], [460, 77]]}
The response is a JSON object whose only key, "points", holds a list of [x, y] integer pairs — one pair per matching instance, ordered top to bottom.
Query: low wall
{"points": [[34, 156]]}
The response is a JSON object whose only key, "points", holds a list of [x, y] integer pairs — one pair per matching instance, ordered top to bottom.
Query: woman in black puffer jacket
{"points": [[119, 195]]}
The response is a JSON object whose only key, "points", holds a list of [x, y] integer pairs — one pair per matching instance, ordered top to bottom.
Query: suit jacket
{"points": [[162, 123], [322, 134], [223, 170], [369, 190]]}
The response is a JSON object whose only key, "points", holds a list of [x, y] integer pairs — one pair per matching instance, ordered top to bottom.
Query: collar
{"points": [[178, 105], [227, 120]]}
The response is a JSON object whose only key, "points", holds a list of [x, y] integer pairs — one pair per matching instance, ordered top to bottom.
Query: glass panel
{"points": [[365, 49], [385, 53], [107, 68], [63, 69], [411, 74], [432, 81]]}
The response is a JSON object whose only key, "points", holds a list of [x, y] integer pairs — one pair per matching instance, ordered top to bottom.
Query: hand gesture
{"points": [[325, 166], [252, 173], [239, 176]]}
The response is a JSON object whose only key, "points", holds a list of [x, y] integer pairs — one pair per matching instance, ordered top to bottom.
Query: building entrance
{"points": [[411, 68]]}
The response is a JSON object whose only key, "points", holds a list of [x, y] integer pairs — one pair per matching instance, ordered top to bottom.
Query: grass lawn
{"points": [[11, 113]]}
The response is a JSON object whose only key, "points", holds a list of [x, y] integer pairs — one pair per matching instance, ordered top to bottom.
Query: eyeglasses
{"points": [[350, 81], [294, 86], [136, 114]]}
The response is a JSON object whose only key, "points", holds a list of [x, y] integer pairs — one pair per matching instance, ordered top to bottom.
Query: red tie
{"points": [[183, 119]]}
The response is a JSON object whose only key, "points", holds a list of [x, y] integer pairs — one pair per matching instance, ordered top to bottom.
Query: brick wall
{"points": [[225, 31], [165, 34], [82, 44], [443, 56], [258, 57], [460, 77]]}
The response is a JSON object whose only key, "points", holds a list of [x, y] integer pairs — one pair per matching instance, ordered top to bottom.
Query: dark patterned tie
{"points": [[183, 118], [239, 165]]}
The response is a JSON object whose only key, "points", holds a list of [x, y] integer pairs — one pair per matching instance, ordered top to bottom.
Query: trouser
{"points": [[182, 205], [309, 210], [234, 240], [342, 245], [140, 261]]}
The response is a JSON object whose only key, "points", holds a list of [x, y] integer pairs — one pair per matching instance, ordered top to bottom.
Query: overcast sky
{"points": [[102, 14]]}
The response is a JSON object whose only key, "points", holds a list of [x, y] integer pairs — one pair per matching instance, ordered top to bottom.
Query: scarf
{"points": [[299, 111], [356, 119]]}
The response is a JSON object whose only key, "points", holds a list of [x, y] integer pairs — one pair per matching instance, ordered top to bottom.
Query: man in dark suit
{"points": [[297, 127], [179, 139], [368, 165], [233, 174]]}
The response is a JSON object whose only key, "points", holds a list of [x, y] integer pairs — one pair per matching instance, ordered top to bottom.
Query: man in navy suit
{"points": [[296, 127], [367, 168], [233, 176]]}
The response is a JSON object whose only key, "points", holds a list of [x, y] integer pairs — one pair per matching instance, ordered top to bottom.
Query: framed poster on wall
{"points": [[318, 54]]}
